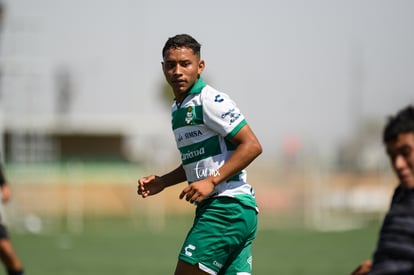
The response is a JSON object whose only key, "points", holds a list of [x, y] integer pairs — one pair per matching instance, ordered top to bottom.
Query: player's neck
{"points": [[180, 99]]}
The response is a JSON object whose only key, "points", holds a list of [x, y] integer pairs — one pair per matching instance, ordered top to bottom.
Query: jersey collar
{"points": [[198, 86], [195, 89]]}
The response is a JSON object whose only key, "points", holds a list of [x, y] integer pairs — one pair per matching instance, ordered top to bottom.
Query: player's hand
{"points": [[150, 185], [197, 191], [5, 193], [363, 268]]}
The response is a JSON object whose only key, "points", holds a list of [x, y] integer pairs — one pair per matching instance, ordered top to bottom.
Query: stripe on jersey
{"points": [[236, 129]]}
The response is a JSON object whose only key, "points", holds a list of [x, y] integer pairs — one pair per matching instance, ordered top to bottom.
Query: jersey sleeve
{"points": [[221, 114]]}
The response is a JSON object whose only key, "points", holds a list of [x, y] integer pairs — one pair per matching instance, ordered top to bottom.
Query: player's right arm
{"points": [[151, 185]]}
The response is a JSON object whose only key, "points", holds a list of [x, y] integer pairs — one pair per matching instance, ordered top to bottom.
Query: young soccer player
{"points": [[216, 145], [395, 248], [9, 258]]}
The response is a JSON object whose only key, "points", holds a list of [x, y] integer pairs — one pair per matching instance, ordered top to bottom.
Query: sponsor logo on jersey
{"points": [[232, 115], [193, 134], [188, 135], [193, 154], [203, 172]]}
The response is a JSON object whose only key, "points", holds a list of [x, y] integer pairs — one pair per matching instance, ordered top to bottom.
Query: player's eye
{"points": [[185, 64], [170, 65], [406, 151], [392, 155]]}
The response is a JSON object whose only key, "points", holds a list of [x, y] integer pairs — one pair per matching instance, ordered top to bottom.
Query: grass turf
{"points": [[119, 246]]}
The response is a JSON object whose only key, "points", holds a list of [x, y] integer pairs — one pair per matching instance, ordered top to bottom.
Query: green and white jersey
{"points": [[203, 124]]}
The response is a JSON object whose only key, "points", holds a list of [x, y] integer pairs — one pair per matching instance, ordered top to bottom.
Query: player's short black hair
{"points": [[182, 41], [402, 122]]}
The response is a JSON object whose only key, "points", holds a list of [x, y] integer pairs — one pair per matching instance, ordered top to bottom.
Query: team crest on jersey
{"points": [[189, 116]]}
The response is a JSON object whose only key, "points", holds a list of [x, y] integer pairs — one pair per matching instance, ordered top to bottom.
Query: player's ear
{"points": [[201, 66], [163, 68]]}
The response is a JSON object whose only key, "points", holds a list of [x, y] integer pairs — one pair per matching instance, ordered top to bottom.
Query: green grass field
{"points": [[122, 247]]}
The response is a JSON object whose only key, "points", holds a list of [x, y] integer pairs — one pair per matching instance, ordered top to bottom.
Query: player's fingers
{"points": [[143, 181], [140, 188], [185, 191], [188, 193], [182, 194], [191, 195], [195, 196], [194, 199], [197, 200]]}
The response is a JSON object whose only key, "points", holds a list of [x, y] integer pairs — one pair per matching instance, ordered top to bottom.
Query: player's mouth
{"points": [[179, 83]]}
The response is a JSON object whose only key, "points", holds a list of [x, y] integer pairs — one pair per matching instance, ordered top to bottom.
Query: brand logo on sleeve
{"points": [[218, 98]]}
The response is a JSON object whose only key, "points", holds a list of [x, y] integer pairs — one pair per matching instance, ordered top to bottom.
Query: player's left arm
{"points": [[248, 148]]}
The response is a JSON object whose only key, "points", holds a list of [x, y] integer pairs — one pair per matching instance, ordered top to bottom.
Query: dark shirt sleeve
{"points": [[2, 177]]}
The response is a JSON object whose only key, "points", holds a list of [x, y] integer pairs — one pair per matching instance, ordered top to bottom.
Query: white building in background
{"points": [[62, 87]]}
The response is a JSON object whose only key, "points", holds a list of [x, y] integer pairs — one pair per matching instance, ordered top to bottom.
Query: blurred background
{"points": [[84, 108]]}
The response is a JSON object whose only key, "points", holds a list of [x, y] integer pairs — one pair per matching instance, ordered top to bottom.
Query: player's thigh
{"points": [[5, 245], [7, 253], [240, 260], [241, 263], [184, 268]]}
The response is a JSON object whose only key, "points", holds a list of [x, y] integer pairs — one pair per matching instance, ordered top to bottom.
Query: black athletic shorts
{"points": [[3, 232]]}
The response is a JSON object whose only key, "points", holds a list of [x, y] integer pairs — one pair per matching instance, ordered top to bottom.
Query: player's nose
{"points": [[399, 162]]}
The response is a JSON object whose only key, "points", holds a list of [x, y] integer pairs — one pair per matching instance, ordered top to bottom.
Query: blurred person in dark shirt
{"points": [[394, 253], [8, 256]]}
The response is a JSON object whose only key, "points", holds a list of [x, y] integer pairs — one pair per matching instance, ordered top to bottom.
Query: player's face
{"points": [[181, 69], [401, 154]]}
